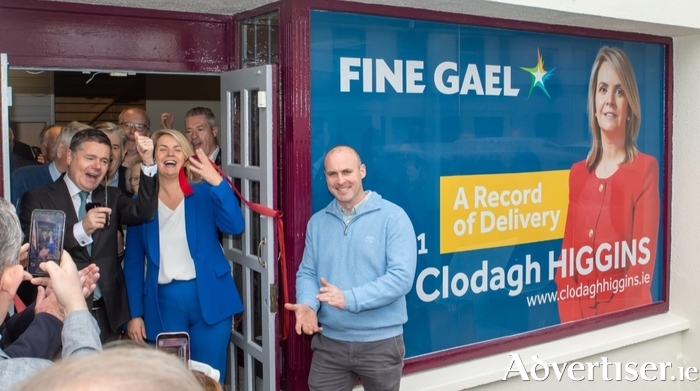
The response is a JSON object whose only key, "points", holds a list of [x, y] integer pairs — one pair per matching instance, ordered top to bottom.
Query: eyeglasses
{"points": [[131, 125], [134, 180]]}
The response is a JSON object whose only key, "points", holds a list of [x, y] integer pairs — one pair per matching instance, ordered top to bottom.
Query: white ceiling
{"points": [[490, 8]]}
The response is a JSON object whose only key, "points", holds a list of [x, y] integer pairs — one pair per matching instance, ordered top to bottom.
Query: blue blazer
{"points": [[26, 178], [209, 208]]}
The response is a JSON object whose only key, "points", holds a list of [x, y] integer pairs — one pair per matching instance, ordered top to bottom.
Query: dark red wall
{"points": [[48, 34], [295, 157]]}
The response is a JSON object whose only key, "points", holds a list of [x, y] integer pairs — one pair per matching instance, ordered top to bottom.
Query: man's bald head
{"points": [[340, 149], [344, 173]]}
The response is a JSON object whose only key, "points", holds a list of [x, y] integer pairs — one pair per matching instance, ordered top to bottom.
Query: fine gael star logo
{"points": [[539, 75]]}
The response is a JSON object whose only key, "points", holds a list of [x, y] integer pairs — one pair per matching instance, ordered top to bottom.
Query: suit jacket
{"points": [[24, 154], [217, 161], [123, 177], [27, 178], [208, 209], [125, 210], [620, 210], [25, 334], [79, 335]]}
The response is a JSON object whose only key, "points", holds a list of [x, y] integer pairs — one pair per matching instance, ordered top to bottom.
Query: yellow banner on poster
{"points": [[486, 211]]}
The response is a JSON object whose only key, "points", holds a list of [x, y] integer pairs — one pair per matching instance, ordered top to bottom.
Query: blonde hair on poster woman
{"points": [[622, 66]]}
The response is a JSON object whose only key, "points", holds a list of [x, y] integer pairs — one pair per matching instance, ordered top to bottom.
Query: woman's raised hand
{"points": [[205, 168]]}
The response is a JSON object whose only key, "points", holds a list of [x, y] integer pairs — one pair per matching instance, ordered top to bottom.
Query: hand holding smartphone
{"points": [[45, 239]]}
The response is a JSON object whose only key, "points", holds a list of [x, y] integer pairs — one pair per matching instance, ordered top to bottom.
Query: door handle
{"points": [[260, 244]]}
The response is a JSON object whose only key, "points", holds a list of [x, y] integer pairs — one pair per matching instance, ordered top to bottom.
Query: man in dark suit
{"points": [[201, 131], [21, 154], [116, 174], [29, 177], [26, 178], [91, 233]]}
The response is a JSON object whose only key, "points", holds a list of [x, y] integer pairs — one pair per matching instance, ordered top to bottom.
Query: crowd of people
{"points": [[107, 178], [142, 256]]}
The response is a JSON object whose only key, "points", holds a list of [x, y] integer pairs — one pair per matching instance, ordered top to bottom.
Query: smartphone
{"points": [[92, 205], [45, 239], [177, 344]]}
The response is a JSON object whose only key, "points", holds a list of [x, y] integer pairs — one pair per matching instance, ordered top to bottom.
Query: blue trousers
{"points": [[180, 311]]}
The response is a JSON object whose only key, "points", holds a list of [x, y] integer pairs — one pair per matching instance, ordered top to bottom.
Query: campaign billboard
{"points": [[529, 163]]}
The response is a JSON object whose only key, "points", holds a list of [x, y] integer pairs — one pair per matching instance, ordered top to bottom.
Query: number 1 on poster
{"points": [[421, 240]]}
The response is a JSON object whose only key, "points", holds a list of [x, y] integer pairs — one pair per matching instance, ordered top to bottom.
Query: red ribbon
{"points": [[184, 183], [264, 211], [19, 304]]}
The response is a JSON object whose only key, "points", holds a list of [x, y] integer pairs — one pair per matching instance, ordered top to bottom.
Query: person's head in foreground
{"points": [[11, 272], [116, 369], [208, 384]]}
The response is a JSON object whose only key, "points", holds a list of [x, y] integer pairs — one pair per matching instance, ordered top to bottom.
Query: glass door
{"points": [[247, 157]]}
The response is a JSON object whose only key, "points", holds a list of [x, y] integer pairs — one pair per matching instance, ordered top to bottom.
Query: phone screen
{"points": [[45, 239], [177, 344]]}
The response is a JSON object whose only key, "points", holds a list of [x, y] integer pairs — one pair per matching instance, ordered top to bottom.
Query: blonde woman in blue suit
{"points": [[188, 284]]}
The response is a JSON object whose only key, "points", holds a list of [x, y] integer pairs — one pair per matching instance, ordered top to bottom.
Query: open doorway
{"points": [[150, 42], [42, 97], [249, 128]]}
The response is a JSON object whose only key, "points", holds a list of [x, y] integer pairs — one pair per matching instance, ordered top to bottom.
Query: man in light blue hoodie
{"points": [[358, 265]]}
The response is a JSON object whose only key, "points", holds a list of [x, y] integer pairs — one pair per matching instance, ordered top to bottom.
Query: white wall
{"points": [[682, 13], [178, 94], [32, 103], [685, 246], [668, 337]]}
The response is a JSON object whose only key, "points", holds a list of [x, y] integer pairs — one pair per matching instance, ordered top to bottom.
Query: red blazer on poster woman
{"points": [[620, 208]]}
